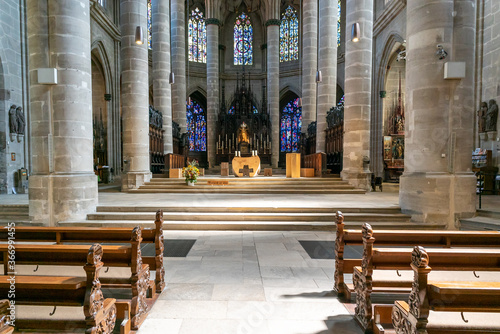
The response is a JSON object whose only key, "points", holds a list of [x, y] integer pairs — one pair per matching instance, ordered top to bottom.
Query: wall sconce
{"points": [[355, 32], [139, 35], [440, 52], [319, 76], [171, 78]]}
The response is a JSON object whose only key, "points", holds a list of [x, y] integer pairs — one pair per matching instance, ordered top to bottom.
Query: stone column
{"points": [[178, 49], [309, 61], [327, 64], [161, 68], [273, 85], [212, 86], [358, 87], [134, 95], [63, 184], [437, 185]]}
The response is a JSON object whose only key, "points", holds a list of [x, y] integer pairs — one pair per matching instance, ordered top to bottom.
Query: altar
{"points": [[243, 166]]}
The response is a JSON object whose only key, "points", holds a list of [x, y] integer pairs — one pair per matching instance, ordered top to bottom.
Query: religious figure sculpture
{"points": [[491, 116], [481, 117], [12, 122], [20, 123], [243, 133]]}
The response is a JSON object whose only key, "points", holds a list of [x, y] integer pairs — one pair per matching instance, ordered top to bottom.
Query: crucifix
{"points": [[246, 171]]}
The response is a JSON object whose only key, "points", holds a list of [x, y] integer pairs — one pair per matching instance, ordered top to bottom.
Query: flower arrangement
{"points": [[191, 172]]}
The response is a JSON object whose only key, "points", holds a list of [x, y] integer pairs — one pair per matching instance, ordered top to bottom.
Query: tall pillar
{"points": [[178, 49], [309, 61], [327, 64], [161, 68], [273, 85], [212, 86], [358, 87], [134, 96], [62, 182], [437, 185]]}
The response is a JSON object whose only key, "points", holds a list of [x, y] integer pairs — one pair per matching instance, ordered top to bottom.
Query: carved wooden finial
{"points": [[159, 214], [340, 217], [367, 231], [137, 233], [94, 255], [419, 257]]}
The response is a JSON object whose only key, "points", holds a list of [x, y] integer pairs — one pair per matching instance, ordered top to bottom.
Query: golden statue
{"points": [[243, 136]]}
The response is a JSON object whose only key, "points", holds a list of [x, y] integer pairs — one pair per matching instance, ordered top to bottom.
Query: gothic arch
{"points": [[380, 72]]}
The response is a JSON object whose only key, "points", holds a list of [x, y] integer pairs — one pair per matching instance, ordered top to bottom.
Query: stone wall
{"points": [[490, 76], [12, 81]]}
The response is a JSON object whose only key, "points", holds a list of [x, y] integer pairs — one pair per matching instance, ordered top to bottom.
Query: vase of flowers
{"points": [[191, 173]]}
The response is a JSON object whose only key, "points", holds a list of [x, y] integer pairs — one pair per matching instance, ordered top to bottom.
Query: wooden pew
{"points": [[62, 235], [400, 238], [114, 256], [460, 259], [100, 313], [412, 317], [5, 325]]}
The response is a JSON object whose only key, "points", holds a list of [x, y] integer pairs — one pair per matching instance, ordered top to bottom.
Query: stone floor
{"points": [[248, 282]]}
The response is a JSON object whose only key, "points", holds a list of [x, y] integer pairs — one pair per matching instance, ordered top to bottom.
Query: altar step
{"points": [[265, 185], [18, 213], [251, 218]]}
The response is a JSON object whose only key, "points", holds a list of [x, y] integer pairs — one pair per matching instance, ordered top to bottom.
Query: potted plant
{"points": [[191, 172]]}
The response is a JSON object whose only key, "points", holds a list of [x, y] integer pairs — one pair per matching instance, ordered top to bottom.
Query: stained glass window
{"points": [[338, 24], [150, 27], [289, 35], [197, 37], [243, 37], [231, 111], [255, 111], [196, 126], [290, 126]]}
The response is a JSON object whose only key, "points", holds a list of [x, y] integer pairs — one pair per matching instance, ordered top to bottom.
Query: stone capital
{"points": [[213, 21], [273, 22]]}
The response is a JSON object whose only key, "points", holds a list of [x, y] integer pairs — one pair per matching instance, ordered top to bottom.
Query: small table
{"points": [[243, 165]]}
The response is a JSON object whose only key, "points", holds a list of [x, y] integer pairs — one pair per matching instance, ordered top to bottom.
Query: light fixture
{"points": [[355, 32], [139, 35], [441, 53], [319, 76], [171, 78]]}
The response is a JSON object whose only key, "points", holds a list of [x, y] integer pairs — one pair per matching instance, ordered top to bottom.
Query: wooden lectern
{"points": [[293, 165]]}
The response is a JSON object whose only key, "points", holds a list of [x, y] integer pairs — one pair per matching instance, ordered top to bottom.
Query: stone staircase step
{"points": [[247, 191], [153, 209], [18, 213], [488, 213], [248, 216], [479, 223], [244, 226]]}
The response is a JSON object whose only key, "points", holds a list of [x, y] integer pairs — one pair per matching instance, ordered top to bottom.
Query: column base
{"points": [[357, 179], [133, 180], [54, 198], [438, 198]]}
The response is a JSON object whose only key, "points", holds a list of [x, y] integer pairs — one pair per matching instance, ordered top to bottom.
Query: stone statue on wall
{"points": [[491, 116], [481, 117], [20, 121], [12, 122]]}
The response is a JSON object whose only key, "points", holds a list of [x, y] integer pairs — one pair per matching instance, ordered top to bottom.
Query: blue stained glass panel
{"points": [[338, 24], [150, 27], [289, 35], [197, 37], [243, 39], [231, 111], [196, 126], [290, 126]]}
